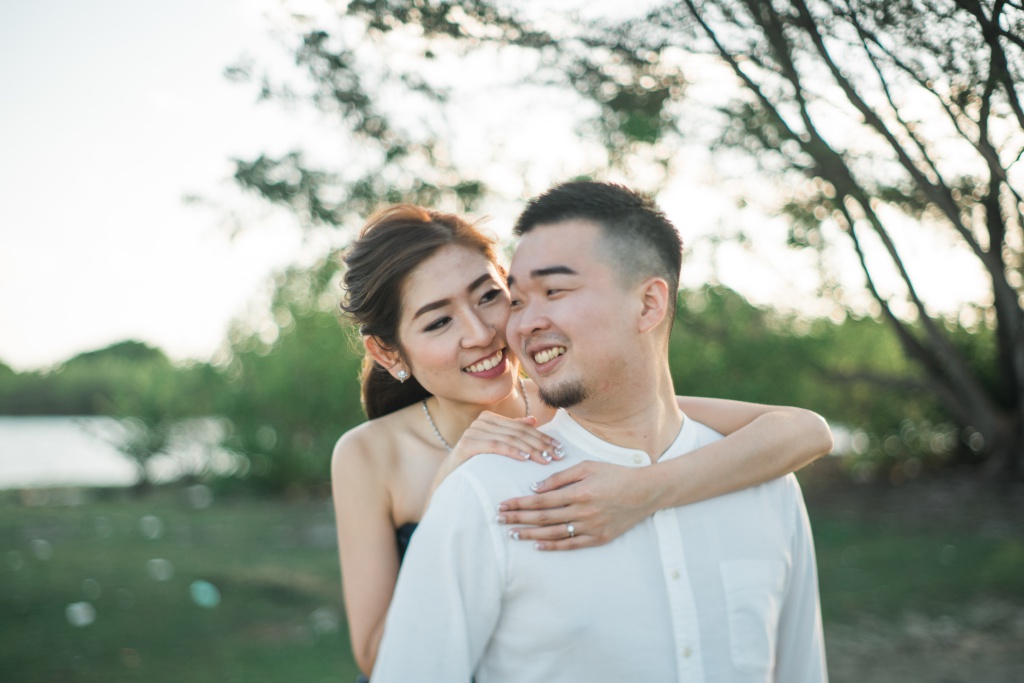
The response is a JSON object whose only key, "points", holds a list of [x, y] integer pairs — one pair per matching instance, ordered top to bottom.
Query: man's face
{"points": [[571, 314]]}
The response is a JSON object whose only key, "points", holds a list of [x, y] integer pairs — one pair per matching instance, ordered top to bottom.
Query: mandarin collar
{"points": [[595, 446]]}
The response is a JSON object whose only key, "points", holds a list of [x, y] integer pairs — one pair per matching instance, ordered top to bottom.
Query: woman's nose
{"points": [[479, 333]]}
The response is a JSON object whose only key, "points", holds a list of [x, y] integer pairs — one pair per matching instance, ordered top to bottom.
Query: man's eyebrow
{"points": [[552, 270], [543, 272], [441, 303]]}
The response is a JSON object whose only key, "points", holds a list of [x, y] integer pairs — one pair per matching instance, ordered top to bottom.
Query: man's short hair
{"points": [[641, 241]]}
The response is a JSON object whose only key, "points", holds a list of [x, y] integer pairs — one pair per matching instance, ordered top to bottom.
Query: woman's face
{"points": [[452, 328]]}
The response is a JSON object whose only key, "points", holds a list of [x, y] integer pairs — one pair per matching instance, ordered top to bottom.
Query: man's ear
{"points": [[654, 302], [389, 359]]}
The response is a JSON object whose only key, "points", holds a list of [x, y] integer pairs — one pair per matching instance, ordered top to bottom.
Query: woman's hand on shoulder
{"points": [[492, 433], [515, 437], [600, 500]]}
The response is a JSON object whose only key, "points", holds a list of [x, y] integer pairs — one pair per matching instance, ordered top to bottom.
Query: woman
{"points": [[440, 385]]}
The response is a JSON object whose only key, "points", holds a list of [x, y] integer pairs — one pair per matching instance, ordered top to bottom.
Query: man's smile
{"points": [[546, 355]]}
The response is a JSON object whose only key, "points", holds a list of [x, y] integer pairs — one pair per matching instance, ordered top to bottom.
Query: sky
{"points": [[112, 111]]}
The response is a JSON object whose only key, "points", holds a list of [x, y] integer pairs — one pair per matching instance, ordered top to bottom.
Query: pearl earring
{"points": [[402, 375]]}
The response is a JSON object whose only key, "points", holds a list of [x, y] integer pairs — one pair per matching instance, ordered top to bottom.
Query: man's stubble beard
{"points": [[565, 394]]}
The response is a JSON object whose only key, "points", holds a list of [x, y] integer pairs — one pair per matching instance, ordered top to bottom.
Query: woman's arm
{"points": [[762, 443], [603, 501], [366, 543]]}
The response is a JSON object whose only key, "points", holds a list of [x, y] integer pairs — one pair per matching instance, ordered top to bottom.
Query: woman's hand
{"points": [[492, 433], [515, 437], [600, 500]]}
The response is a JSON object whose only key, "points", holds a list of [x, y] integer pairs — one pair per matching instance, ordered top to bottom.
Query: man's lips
{"points": [[548, 354]]}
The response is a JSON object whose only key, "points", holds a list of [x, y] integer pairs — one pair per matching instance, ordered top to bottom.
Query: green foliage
{"points": [[722, 346], [127, 378], [290, 401]]}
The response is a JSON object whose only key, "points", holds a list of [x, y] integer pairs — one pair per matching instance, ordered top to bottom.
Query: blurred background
{"points": [[179, 180]]}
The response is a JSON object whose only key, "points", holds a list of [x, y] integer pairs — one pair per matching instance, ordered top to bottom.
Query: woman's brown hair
{"points": [[394, 241]]}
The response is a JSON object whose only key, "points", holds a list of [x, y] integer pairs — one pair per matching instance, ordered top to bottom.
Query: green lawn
{"points": [[271, 564], [886, 572], [274, 611]]}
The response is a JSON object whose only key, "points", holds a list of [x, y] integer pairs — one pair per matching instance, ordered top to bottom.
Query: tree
{"points": [[865, 115], [294, 391]]}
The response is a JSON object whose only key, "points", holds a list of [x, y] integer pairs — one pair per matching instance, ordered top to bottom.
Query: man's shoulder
{"points": [[703, 434], [498, 477]]}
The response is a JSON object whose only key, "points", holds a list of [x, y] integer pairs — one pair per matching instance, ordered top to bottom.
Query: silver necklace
{"points": [[444, 442]]}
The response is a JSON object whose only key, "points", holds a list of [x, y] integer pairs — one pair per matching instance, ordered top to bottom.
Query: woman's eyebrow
{"points": [[441, 303]]}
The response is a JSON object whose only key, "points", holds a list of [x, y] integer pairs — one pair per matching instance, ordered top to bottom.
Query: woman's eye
{"points": [[552, 292], [516, 303], [437, 324]]}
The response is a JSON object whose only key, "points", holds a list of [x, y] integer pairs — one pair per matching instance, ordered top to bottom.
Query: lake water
{"points": [[39, 452]]}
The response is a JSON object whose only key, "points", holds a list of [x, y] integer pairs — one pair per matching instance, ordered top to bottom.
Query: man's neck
{"points": [[644, 416]]}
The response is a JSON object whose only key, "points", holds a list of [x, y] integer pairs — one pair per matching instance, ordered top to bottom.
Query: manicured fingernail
{"points": [[559, 451], [524, 455], [546, 456], [535, 486], [502, 507], [500, 519], [514, 535], [539, 546]]}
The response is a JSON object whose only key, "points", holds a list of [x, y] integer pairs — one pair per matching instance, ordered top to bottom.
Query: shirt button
{"points": [[638, 458], [675, 574], [687, 652]]}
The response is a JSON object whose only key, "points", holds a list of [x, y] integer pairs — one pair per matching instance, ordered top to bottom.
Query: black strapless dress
{"points": [[403, 535]]}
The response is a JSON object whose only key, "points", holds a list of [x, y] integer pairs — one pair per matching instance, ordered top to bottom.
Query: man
{"points": [[723, 590]]}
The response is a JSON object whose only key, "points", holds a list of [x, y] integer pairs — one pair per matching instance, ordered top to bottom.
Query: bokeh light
{"points": [[151, 526], [42, 549], [160, 569], [91, 589], [204, 594], [80, 614]]}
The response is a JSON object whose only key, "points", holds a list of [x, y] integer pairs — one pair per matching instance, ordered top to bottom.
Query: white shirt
{"points": [[722, 590]]}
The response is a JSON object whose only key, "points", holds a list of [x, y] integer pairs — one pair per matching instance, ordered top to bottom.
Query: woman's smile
{"points": [[491, 366]]}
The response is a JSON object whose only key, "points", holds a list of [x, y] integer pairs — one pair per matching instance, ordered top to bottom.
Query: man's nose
{"points": [[530, 320]]}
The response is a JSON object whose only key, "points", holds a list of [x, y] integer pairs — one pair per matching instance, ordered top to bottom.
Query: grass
{"points": [[272, 563], [886, 573], [279, 616]]}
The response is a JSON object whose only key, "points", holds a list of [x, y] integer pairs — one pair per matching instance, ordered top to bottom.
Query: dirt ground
{"points": [[983, 642], [988, 648]]}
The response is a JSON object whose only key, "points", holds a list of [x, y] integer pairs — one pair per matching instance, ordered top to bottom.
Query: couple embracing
{"points": [[585, 524]]}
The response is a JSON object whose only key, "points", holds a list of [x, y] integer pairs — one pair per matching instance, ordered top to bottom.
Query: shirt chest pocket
{"points": [[753, 599]]}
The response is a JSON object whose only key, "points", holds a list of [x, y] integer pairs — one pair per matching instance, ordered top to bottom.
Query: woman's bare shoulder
{"points": [[374, 444]]}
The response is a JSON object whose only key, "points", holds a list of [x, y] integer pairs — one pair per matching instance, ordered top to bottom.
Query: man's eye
{"points": [[552, 292], [490, 295], [516, 303]]}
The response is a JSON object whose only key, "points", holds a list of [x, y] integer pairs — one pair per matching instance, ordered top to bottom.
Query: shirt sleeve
{"points": [[448, 596], [801, 647]]}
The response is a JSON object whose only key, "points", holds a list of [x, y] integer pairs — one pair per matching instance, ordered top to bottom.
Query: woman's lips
{"points": [[489, 367]]}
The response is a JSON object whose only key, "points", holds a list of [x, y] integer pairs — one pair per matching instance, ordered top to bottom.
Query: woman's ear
{"points": [[654, 303], [389, 359]]}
